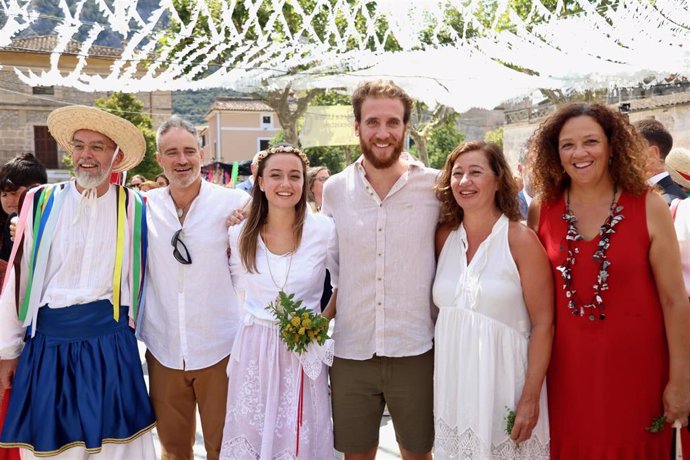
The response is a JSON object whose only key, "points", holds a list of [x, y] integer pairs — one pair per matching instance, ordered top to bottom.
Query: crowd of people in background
{"points": [[543, 315]]}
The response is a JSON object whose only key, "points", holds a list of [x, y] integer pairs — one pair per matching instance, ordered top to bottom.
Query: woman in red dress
{"points": [[621, 352]]}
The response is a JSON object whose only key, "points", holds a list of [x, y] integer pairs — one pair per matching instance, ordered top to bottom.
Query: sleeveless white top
{"points": [[481, 344]]}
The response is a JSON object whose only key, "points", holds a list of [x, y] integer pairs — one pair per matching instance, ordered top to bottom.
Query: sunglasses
{"points": [[183, 256]]}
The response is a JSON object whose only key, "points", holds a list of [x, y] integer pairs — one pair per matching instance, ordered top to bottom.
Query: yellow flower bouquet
{"points": [[299, 326]]}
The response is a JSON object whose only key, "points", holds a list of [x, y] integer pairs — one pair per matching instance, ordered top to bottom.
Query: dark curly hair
{"points": [[627, 160], [506, 195]]}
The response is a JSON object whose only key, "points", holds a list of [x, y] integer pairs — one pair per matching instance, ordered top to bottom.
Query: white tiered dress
{"points": [[481, 342], [263, 420]]}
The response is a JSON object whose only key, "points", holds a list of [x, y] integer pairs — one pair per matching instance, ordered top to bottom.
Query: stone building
{"points": [[24, 109], [475, 123]]}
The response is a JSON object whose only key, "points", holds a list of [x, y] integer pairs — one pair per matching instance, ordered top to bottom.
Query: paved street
{"points": [[388, 448]]}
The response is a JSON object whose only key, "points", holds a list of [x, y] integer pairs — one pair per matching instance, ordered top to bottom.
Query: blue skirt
{"points": [[79, 382]]}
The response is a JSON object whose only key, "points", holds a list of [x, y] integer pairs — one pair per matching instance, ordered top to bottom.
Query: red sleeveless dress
{"points": [[606, 377]]}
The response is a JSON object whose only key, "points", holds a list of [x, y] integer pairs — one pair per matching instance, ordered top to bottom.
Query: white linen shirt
{"points": [[657, 177], [386, 262], [80, 263], [302, 273], [191, 312]]}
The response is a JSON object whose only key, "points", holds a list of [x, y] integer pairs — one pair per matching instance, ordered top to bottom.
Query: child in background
{"points": [[16, 176]]}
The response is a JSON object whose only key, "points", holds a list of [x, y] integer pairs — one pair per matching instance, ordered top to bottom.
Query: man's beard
{"points": [[378, 162], [88, 180], [92, 180], [181, 183]]}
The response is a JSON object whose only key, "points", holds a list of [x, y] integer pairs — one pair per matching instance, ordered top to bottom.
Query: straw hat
{"points": [[65, 121], [678, 166]]}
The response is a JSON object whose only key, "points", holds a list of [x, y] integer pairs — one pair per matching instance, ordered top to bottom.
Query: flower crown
{"points": [[281, 148]]}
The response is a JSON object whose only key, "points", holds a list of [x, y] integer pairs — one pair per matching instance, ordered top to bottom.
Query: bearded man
{"points": [[385, 214], [66, 346]]}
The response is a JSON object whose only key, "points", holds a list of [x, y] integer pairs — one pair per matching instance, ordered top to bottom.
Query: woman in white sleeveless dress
{"points": [[494, 331]]}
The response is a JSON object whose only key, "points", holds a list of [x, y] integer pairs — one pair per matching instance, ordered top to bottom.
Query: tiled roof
{"points": [[47, 43], [653, 102], [239, 105]]}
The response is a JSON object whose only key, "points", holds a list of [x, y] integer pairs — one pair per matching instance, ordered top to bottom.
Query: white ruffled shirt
{"points": [[80, 263]]}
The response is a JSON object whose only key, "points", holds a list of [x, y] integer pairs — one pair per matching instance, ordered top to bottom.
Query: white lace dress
{"points": [[481, 341], [265, 378]]}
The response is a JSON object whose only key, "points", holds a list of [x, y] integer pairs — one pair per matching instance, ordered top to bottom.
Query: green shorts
{"points": [[361, 389]]}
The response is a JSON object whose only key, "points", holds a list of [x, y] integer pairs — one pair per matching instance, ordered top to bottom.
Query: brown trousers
{"points": [[174, 395]]}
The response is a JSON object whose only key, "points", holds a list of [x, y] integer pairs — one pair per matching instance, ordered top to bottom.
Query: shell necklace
{"points": [[595, 307]]}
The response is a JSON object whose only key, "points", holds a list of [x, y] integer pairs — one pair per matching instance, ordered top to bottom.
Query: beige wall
{"points": [[676, 119], [239, 134], [514, 137]]}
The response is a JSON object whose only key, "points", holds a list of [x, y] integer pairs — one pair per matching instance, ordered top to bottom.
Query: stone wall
{"points": [[21, 110], [675, 118], [475, 123], [515, 136]]}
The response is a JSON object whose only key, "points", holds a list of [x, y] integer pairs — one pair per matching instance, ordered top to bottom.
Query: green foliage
{"points": [[280, 31], [332, 98], [193, 105], [130, 108], [495, 136], [442, 141], [334, 158], [68, 163], [299, 326], [510, 420], [657, 425]]}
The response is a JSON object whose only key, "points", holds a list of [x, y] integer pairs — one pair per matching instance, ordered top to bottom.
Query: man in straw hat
{"points": [[678, 166], [192, 312], [66, 347]]}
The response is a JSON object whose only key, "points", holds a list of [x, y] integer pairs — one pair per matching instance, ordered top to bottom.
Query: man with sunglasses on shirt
{"points": [[191, 312]]}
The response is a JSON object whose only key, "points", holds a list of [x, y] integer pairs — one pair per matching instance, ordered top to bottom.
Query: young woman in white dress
{"points": [[494, 331], [276, 410]]}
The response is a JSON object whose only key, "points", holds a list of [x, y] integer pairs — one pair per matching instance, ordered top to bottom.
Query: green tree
{"points": [[301, 19], [130, 108], [423, 123], [495, 136], [441, 141], [336, 157]]}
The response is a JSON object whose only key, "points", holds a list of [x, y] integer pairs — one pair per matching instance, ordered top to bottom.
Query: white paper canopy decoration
{"points": [[599, 46]]}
